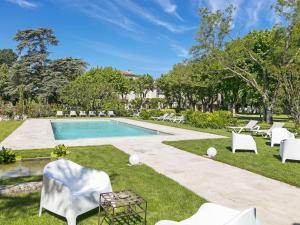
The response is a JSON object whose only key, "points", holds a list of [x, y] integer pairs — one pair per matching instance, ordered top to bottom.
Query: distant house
{"points": [[131, 96]]}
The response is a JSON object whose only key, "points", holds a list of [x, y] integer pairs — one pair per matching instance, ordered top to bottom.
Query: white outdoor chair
{"points": [[59, 113], [73, 113], [82, 113], [92, 113], [102, 113], [111, 113], [161, 117], [169, 117], [178, 119], [250, 126], [268, 132], [280, 134], [243, 142], [290, 149], [70, 190], [213, 214]]}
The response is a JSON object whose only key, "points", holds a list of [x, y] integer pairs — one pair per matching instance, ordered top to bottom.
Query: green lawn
{"points": [[7, 127], [267, 162], [166, 198]]}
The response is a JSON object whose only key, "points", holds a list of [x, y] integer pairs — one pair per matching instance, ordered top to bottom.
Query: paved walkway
{"points": [[277, 203]]}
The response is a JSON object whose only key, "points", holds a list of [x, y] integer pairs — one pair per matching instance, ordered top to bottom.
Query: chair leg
{"points": [[41, 210], [71, 220]]}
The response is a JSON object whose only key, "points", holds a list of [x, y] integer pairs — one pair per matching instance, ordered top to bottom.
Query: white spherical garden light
{"points": [[211, 152], [134, 159]]}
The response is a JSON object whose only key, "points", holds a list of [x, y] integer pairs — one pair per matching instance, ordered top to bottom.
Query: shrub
{"points": [[218, 119], [60, 151], [7, 155]]}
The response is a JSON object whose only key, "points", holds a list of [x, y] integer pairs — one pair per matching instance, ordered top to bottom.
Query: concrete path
{"points": [[277, 203]]}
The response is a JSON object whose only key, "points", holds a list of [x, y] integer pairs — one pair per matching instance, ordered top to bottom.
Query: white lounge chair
{"points": [[59, 113], [73, 113], [82, 113], [92, 113], [102, 113], [111, 114], [160, 117], [169, 117], [178, 119], [250, 126], [267, 133], [280, 134], [243, 142], [289, 149], [70, 190], [213, 214]]}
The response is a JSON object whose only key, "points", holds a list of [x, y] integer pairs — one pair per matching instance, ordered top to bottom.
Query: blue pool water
{"points": [[68, 130]]}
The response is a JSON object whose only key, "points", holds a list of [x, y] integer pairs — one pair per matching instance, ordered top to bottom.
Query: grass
{"points": [[7, 127], [267, 162], [166, 198]]}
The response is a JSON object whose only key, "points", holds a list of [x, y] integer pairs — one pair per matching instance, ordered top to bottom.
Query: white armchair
{"points": [[280, 134], [243, 142], [290, 149], [70, 190], [213, 214]]}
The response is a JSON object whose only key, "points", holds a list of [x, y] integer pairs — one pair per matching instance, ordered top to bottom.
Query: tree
{"points": [[286, 54], [7, 56], [250, 59], [30, 69], [58, 73], [3, 79], [142, 86]]}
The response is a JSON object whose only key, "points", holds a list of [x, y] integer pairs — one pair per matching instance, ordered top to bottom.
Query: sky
{"points": [[144, 36]]}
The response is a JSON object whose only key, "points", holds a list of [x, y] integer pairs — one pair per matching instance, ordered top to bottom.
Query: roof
{"points": [[129, 73]]}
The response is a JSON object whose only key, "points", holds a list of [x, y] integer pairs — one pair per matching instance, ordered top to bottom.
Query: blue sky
{"points": [[145, 36]]}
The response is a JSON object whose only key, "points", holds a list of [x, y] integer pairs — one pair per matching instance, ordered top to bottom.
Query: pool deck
{"points": [[277, 203]]}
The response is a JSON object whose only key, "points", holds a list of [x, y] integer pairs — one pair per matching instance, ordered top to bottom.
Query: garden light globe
{"points": [[211, 152], [134, 159]]}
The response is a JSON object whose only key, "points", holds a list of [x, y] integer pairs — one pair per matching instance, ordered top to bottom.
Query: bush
{"points": [[146, 114], [218, 119], [60, 151], [7, 155]]}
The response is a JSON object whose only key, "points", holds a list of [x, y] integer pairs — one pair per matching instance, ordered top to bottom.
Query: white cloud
{"points": [[23, 3], [169, 7], [104, 11], [140, 11], [254, 13], [179, 50]]}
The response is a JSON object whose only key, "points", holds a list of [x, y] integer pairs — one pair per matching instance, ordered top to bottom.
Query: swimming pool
{"points": [[70, 130]]}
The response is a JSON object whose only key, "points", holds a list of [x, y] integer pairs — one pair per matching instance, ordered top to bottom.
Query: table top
{"points": [[120, 199]]}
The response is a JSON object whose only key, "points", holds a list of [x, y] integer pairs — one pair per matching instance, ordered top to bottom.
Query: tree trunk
{"points": [[268, 117]]}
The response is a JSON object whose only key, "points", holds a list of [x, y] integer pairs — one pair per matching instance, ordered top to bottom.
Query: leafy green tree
{"points": [[7, 56], [286, 58], [250, 59], [30, 69], [58, 73], [4, 76], [142, 86]]}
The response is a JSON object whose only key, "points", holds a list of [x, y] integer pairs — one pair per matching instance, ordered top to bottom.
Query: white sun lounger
{"points": [[59, 113], [73, 113], [82, 113], [92, 113], [102, 113], [111, 114], [178, 119], [250, 126], [267, 133], [280, 134], [243, 142], [290, 149], [70, 190], [213, 214]]}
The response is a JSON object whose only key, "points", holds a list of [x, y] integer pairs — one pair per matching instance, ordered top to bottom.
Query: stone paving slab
{"points": [[277, 203]]}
